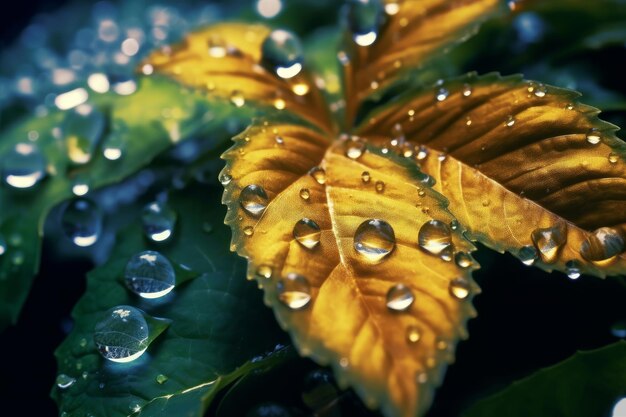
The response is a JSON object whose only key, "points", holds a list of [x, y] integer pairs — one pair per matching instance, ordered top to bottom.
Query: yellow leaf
{"points": [[392, 37], [246, 63], [526, 167], [358, 256]]}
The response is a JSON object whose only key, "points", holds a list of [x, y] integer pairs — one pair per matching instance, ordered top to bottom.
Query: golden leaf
{"points": [[395, 36], [246, 63], [526, 167], [358, 256]]}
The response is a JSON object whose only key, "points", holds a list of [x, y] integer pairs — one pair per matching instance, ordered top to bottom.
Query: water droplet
{"points": [[364, 19], [217, 47], [282, 53], [300, 89], [467, 90], [541, 91], [442, 94], [237, 98], [279, 104], [569, 106], [510, 121], [82, 129], [593, 136], [115, 143], [355, 149], [422, 153], [613, 158], [23, 166], [318, 175], [225, 178], [380, 186], [80, 187], [305, 194], [253, 199], [158, 221], [82, 222], [454, 224], [248, 231], [307, 233], [434, 236], [374, 239], [549, 241], [602, 246], [446, 254], [528, 255], [463, 260], [572, 269], [264, 271], [150, 275], [460, 288], [294, 291], [399, 298], [122, 334], [413, 334], [161, 379], [63, 381], [619, 410]]}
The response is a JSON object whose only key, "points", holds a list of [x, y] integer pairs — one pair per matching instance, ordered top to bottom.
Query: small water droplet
{"points": [[364, 19], [217, 47], [282, 53], [467, 90], [540, 91], [442, 94], [237, 98], [569, 106], [510, 121], [81, 129], [593, 136], [355, 149], [422, 153], [441, 157], [613, 158], [23, 166], [318, 175], [225, 178], [379, 186], [305, 194], [253, 200], [158, 221], [82, 222], [454, 224], [248, 231], [307, 233], [434, 236], [374, 239], [549, 241], [602, 246], [446, 254], [528, 255], [463, 260], [572, 269], [264, 271], [150, 275], [459, 288], [294, 291], [399, 298], [122, 334], [413, 334], [161, 379], [63, 381]]}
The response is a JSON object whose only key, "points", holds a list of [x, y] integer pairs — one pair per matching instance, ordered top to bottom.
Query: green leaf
{"points": [[160, 114], [214, 330], [586, 385]]}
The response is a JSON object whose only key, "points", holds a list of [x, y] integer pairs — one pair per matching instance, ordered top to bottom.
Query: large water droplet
{"points": [[364, 19], [282, 53], [81, 129], [355, 149], [23, 166], [318, 174], [253, 199], [158, 221], [82, 222], [307, 233], [434, 236], [374, 239], [549, 241], [602, 246], [528, 255], [463, 260], [150, 275], [460, 288], [294, 291], [399, 298], [122, 334], [63, 381]]}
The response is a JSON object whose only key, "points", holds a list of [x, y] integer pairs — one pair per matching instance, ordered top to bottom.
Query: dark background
{"points": [[527, 319]]}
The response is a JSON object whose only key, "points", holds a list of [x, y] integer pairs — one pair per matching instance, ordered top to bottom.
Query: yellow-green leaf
{"points": [[246, 64], [526, 167], [358, 256]]}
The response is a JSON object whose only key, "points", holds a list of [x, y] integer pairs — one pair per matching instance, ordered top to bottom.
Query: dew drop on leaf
{"points": [[364, 19], [217, 47], [281, 52], [467, 90], [442, 94], [237, 99], [510, 121], [82, 129], [593, 136], [355, 149], [613, 158], [23, 166], [318, 175], [225, 179], [380, 186], [305, 194], [253, 200], [158, 221], [82, 222], [248, 231], [307, 233], [434, 236], [374, 239], [549, 241], [602, 246], [528, 255], [463, 260], [572, 269], [264, 271], [149, 275], [459, 288], [294, 291], [399, 298], [122, 334], [413, 334], [161, 379], [63, 381]]}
